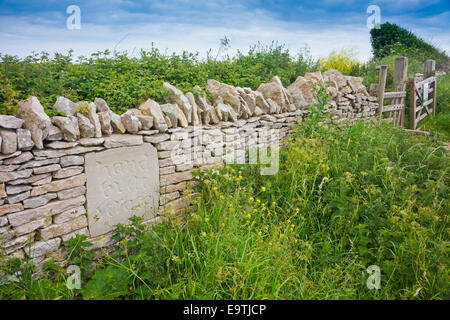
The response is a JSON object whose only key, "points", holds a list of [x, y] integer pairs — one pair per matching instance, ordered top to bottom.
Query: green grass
{"points": [[440, 123], [344, 198]]}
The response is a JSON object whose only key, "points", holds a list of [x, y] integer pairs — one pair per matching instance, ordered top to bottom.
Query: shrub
{"points": [[344, 61]]}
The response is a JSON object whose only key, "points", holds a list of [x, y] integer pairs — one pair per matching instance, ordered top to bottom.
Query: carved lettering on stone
{"points": [[121, 183]]}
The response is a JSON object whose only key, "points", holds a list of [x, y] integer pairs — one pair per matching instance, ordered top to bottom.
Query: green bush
{"points": [[391, 39], [125, 81]]}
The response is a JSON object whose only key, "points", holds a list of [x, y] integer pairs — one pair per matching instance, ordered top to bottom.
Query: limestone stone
{"points": [[335, 75], [305, 88], [274, 90], [229, 94], [175, 95], [101, 105], [65, 106], [152, 108], [205, 109], [93, 118], [214, 118], [35, 120], [195, 120], [10, 122], [105, 122], [131, 122], [146, 122], [116, 123], [68, 126], [87, 129], [148, 132], [54, 133], [157, 138], [122, 140], [9, 141], [24, 141], [90, 142], [61, 145], [168, 145], [64, 152], [7, 156], [23, 157], [67, 161], [38, 163], [9, 168], [47, 169], [166, 170], [67, 172], [8, 176], [174, 178], [46, 179], [30, 180], [121, 183], [58, 185], [174, 187], [16, 189], [2, 190], [71, 193], [18, 197], [165, 198], [39, 201], [10, 208], [52, 208], [69, 215], [3, 222], [56, 230], [81, 232], [19, 241], [42, 248]]}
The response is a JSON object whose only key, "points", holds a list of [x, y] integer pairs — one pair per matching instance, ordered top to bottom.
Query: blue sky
{"points": [[178, 25]]}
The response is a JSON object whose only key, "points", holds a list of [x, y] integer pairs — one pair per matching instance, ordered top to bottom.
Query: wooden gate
{"points": [[421, 105], [395, 110]]}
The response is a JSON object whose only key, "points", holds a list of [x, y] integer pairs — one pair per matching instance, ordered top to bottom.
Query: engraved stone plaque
{"points": [[121, 183]]}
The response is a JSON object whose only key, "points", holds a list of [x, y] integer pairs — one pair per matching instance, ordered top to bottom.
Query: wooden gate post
{"points": [[430, 71], [400, 79], [381, 89], [412, 104]]}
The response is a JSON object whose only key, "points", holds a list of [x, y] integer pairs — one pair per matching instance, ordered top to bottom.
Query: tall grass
{"points": [[344, 198]]}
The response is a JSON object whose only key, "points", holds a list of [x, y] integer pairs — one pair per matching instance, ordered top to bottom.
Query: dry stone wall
{"points": [[90, 169]]}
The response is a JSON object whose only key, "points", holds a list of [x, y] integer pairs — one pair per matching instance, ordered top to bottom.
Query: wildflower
{"points": [[214, 188], [263, 189], [222, 197], [251, 199], [257, 200], [274, 203], [297, 210], [249, 216], [206, 219], [289, 221], [267, 227], [259, 233], [204, 234], [281, 235], [295, 240], [270, 244]]}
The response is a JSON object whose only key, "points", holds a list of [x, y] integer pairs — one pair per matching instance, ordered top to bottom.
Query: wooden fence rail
{"points": [[420, 103], [395, 110]]}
